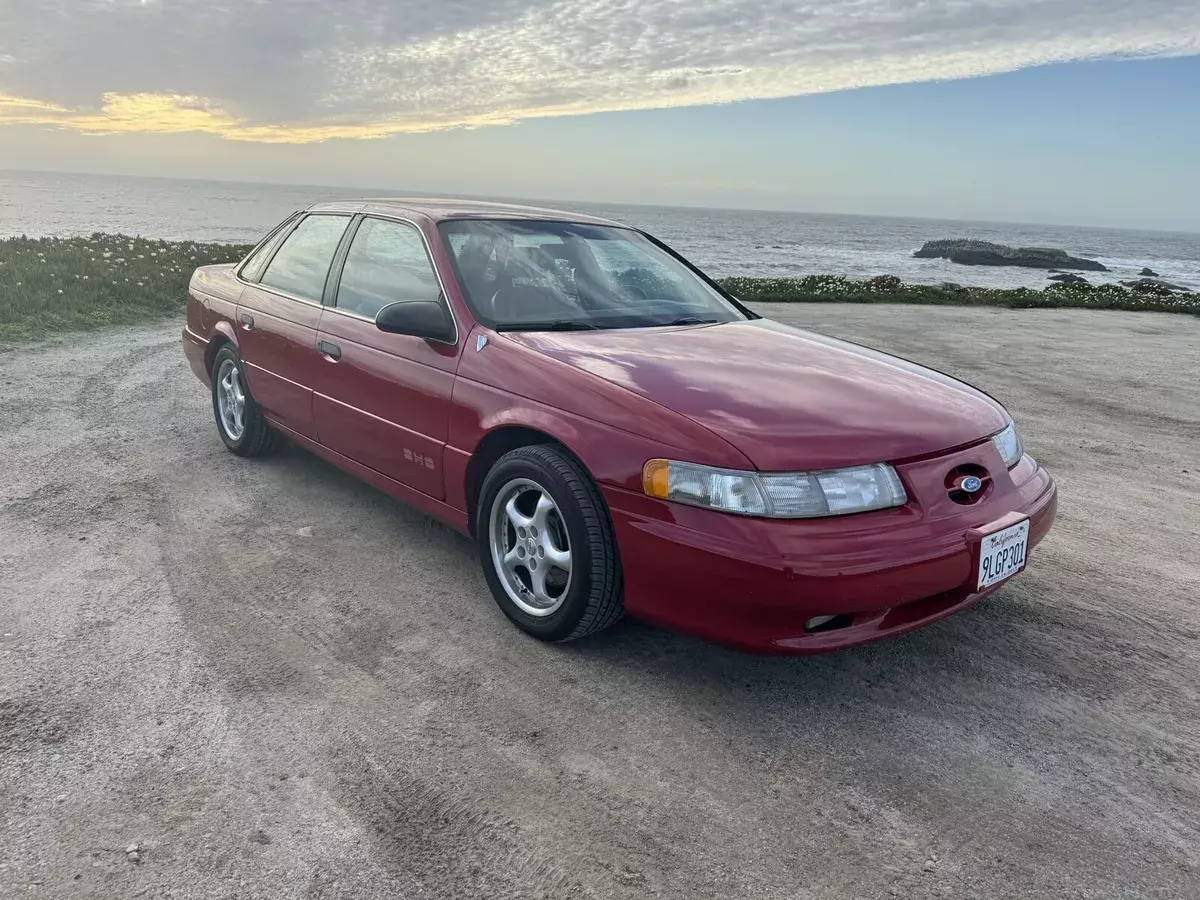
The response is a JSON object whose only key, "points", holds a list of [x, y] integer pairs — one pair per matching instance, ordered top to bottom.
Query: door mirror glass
{"points": [[419, 318]]}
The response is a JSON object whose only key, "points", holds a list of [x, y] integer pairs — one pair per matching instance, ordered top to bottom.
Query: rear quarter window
{"points": [[253, 267]]}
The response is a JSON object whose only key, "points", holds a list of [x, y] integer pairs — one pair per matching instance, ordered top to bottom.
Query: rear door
{"points": [[278, 316], [383, 400]]}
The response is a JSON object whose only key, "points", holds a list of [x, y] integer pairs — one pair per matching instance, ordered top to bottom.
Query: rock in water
{"points": [[985, 253], [1148, 273], [1067, 278], [1154, 286]]}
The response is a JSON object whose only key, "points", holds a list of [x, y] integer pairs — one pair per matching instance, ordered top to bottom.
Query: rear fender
{"points": [[224, 329], [222, 333]]}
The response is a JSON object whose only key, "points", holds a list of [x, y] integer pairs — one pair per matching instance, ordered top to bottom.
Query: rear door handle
{"points": [[247, 321], [330, 351]]}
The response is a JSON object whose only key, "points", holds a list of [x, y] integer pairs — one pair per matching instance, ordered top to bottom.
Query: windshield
{"points": [[527, 276]]}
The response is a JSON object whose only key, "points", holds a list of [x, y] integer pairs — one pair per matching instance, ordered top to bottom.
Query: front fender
{"points": [[611, 455]]}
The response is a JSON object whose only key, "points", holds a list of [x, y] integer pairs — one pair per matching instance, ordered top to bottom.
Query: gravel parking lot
{"points": [[223, 678]]}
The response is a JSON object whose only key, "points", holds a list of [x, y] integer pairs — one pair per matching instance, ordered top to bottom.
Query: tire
{"points": [[256, 437], [591, 599]]}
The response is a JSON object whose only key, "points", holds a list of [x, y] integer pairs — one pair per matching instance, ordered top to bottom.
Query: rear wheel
{"points": [[239, 419], [547, 547]]}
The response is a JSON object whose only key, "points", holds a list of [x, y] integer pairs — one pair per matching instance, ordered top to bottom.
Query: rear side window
{"points": [[258, 259], [302, 263], [387, 263]]}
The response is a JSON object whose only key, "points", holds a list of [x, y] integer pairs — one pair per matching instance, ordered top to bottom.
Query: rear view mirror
{"points": [[420, 318]]}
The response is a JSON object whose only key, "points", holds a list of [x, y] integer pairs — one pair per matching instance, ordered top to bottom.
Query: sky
{"points": [[1074, 111]]}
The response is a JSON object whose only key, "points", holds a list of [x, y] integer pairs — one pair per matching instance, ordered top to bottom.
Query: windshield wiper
{"points": [[694, 320], [556, 325]]}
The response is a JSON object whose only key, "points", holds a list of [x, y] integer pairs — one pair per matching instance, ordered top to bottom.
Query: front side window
{"points": [[302, 263], [387, 263], [520, 275]]}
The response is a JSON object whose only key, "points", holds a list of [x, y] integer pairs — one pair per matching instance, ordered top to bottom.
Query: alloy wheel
{"points": [[231, 400], [530, 547]]}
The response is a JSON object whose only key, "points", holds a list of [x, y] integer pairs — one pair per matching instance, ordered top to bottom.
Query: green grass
{"points": [[50, 285], [889, 289]]}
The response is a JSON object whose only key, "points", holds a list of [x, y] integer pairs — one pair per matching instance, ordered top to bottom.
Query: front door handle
{"points": [[247, 321], [330, 351]]}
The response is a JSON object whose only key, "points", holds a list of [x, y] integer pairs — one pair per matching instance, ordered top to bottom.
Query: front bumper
{"points": [[753, 583]]}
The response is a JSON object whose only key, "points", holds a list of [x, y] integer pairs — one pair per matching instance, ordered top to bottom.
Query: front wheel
{"points": [[547, 545]]}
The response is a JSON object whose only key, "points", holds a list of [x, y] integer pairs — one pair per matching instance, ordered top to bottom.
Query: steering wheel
{"points": [[529, 302]]}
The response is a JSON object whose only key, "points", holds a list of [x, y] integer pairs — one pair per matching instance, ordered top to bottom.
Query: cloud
{"points": [[310, 70]]}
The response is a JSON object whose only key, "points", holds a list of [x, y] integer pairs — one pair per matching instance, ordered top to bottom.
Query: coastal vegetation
{"points": [[50, 285], [1143, 296]]}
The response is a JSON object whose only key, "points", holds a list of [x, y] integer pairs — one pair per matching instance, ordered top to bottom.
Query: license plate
{"points": [[1002, 554]]}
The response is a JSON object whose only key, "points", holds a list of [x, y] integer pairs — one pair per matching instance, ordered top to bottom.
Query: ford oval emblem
{"points": [[971, 484]]}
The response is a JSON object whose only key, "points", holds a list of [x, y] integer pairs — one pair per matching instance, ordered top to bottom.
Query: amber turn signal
{"points": [[655, 481]]}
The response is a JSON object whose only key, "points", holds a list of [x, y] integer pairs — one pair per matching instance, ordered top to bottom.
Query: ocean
{"points": [[723, 242]]}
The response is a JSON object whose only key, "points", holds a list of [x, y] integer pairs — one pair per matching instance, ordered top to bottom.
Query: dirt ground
{"points": [[223, 678]]}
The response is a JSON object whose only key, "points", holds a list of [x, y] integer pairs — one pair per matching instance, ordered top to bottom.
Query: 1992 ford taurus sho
{"points": [[617, 432]]}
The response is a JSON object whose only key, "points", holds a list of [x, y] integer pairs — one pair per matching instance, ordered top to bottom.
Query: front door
{"points": [[278, 318], [383, 400]]}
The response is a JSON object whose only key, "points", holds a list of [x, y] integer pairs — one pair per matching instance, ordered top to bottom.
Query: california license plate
{"points": [[1002, 554]]}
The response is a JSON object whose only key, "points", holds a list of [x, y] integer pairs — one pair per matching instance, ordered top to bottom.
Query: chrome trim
{"points": [[336, 207], [284, 294], [333, 309], [341, 312], [349, 315], [199, 338], [276, 375], [371, 415]]}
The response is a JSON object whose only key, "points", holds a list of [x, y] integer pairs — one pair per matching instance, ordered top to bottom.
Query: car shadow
{"points": [[980, 655], [942, 674]]}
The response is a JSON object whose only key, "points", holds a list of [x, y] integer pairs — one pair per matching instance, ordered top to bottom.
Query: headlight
{"points": [[1008, 445], [793, 495]]}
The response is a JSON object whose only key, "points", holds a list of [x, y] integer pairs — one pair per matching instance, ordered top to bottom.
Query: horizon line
{"points": [[635, 204]]}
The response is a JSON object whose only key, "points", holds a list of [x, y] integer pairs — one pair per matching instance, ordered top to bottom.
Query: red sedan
{"points": [[617, 432]]}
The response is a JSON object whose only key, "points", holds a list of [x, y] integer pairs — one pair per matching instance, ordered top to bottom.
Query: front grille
{"points": [[956, 476]]}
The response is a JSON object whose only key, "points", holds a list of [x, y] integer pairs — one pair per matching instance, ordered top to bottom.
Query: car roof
{"points": [[441, 210]]}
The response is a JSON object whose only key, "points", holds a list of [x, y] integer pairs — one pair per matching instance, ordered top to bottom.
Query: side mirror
{"points": [[419, 318]]}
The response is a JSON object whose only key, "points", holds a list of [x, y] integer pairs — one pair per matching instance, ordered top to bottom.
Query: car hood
{"points": [[787, 399]]}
